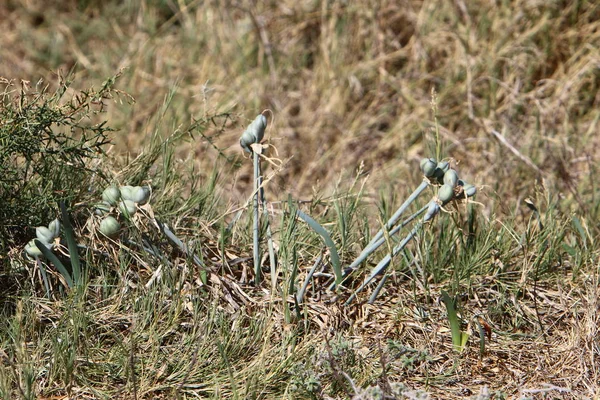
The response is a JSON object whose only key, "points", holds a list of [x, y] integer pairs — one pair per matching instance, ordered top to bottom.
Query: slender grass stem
{"points": [[177, 242], [42, 268], [378, 289]]}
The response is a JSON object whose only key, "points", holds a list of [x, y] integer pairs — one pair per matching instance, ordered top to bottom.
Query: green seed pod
{"points": [[257, 127], [254, 133], [246, 140], [443, 165], [428, 166], [441, 169], [451, 178], [469, 190], [127, 192], [445, 193], [140, 194], [111, 195], [127, 207], [102, 209], [432, 210], [109, 226], [54, 227], [44, 234]]}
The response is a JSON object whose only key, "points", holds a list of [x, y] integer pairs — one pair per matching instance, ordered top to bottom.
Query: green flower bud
{"points": [[254, 133], [441, 169], [469, 190], [127, 192], [140, 194], [432, 210], [33, 250]]}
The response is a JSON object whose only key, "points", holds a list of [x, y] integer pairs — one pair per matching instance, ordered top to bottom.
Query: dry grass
{"points": [[349, 84]]}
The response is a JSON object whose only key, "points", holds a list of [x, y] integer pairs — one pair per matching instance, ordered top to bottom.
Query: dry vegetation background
{"points": [[347, 82], [350, 83]]}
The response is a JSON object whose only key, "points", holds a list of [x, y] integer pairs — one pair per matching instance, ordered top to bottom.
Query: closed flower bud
{"points": [[254, 133], [441, 169], [469, 190], [127, 192], [140, 194], [127, 207], [432, 210]]}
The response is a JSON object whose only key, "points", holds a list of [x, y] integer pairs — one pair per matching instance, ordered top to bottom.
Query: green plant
{"points": [[46, 142], [250, 142], [452, 188], [459, 338]]}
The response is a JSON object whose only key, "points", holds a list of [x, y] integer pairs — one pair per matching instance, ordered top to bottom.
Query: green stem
{"points": [[256, 232], [272, 260], [385, 261]]}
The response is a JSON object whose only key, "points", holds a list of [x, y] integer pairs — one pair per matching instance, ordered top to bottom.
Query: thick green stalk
{"points": [[398, 213], [256, 231], [377, 242], [374, 245], [272, 260]]}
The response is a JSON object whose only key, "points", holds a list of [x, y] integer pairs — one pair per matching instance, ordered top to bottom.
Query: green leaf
{"points": [[580, 230], [71, 243], [335, 258], [54, 260], [44, 277], [459, 339]]}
